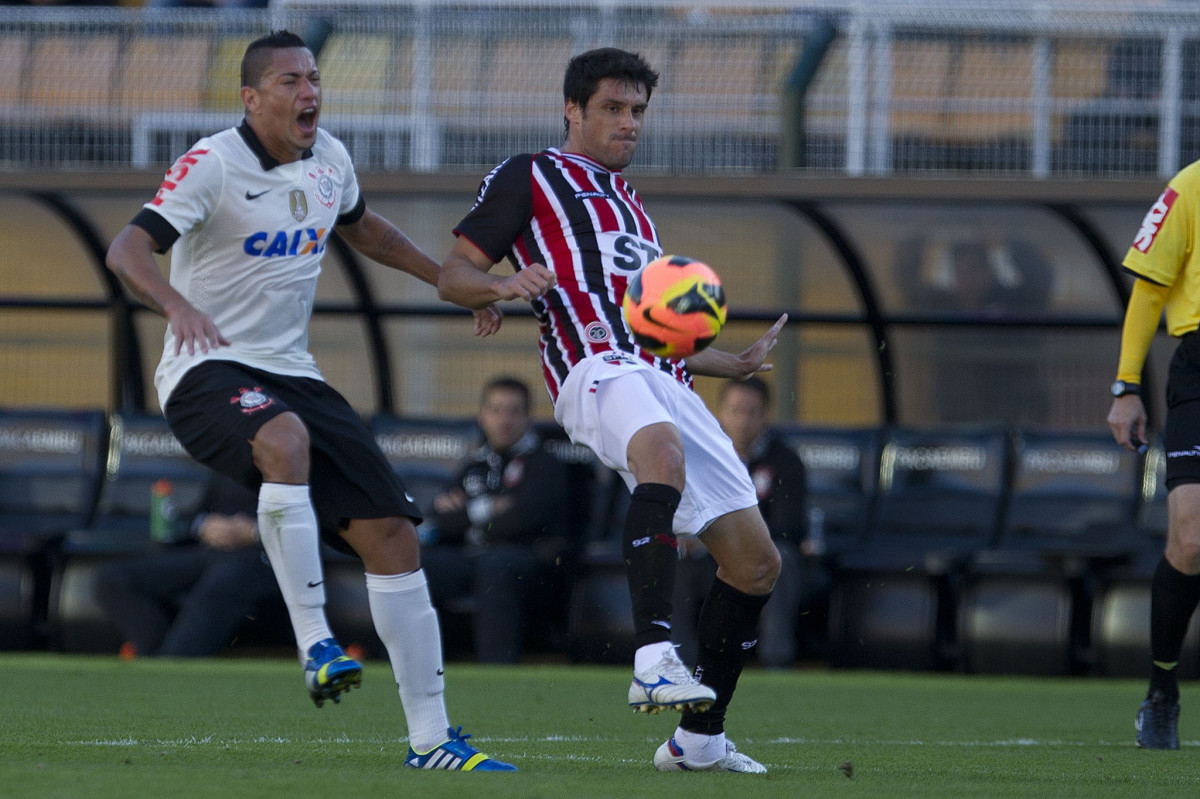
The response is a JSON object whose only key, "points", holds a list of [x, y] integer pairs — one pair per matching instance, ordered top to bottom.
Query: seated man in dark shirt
{"points": [[779, 478], [500, 524], [188, 599]]}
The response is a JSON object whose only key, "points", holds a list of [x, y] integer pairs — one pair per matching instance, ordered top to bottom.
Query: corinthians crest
{"points": [[326, 191], [299, 204]]}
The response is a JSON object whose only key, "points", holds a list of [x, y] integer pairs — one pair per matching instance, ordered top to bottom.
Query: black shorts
{"points": [[219, 406], [1181, 436]]}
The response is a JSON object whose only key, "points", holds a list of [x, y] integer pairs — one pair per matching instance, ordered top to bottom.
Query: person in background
{"points": [[779, 478], [500, 525], [188, 599]]}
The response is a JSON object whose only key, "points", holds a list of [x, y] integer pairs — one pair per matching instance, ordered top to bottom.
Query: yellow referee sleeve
{"points": [[1146, 303]]}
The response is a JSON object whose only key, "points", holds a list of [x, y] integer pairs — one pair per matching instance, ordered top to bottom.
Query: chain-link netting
{"points": [[747, 87]]}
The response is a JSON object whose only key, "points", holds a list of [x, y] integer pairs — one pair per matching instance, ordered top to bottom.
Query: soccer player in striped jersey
{"points": [[247, 213], [576, 233]]}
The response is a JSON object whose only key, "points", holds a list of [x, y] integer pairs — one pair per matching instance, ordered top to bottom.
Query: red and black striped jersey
{"points": [[588, 226]]}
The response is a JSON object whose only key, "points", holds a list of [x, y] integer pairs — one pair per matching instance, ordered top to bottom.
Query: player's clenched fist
{"points": [[530, 283]]}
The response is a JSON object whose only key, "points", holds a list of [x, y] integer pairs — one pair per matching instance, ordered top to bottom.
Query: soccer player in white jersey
{"points": [[247, 214], [576, 234]]}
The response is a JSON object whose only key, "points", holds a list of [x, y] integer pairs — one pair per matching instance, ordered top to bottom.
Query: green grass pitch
{"points": [[82, 726]]}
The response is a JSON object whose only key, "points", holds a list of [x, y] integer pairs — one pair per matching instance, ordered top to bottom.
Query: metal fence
{"points": [[852, 88], [1038, 89]]}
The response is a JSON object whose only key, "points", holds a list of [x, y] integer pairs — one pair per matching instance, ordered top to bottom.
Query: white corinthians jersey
{"points": [[247, 235]]}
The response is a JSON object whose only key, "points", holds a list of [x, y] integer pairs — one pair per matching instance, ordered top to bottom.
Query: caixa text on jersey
{"points": [[286, 242]]}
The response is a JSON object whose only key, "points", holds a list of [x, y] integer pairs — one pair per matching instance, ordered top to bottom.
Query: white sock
{"points": [[288, 527], [408, 626], [649, 655], [700, 748]]}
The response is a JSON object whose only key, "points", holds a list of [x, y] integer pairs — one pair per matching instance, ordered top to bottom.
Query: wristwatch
{"points": [[1120, 388]]}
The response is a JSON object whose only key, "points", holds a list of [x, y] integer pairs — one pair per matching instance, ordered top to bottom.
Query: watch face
{"points": [[1118, 388]]}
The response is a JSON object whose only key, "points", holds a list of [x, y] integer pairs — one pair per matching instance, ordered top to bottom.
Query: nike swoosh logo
{"points": [[250, 196], [314, 585], [441, 672]]}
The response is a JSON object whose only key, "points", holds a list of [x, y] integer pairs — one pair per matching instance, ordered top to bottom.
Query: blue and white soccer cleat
{"points": [[328, 672], [668, 684], [455, 754], [670, 757]]}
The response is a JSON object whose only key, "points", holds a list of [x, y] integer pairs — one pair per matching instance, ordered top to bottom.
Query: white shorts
{"points": [[608, 397]]}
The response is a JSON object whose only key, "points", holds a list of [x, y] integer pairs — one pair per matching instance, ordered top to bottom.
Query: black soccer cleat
{"points": [[1158, 722]]}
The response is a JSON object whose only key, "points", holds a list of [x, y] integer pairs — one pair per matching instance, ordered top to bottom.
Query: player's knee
{"points": [[280, 449], [1183, 552], [766, 569], [755, 572]]}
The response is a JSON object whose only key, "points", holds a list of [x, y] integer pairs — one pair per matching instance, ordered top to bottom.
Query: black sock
{"points": [[651, 554], [1173, 598], [728, 631]]}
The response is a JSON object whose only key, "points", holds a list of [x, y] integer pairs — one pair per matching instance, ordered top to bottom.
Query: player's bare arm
{"points": [[383, 242], [131, 258], [466, 279], [718, 363]]}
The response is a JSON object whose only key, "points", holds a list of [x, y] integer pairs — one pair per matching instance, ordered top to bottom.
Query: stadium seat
{"points": [[13, 52], [144, 62], [355, 74], [73, 76], [141, 451], [425, 452], [841, 466], [50, 467], [50, 470], [939, 498], [1024, 605], [1120, 619], [600, 627], [1121, 630]]}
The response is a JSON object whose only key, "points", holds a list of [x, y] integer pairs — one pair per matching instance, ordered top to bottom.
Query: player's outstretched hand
{"points": [[530, 283], [487, 320], [194, 330], [753, 358]]}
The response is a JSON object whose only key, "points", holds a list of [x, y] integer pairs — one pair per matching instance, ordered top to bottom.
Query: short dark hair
{"points": [[254, 62], [586, 70], [506, 383], [754, 383]]}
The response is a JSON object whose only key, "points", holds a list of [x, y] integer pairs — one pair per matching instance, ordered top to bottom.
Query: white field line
{"points": [[597, 741]]}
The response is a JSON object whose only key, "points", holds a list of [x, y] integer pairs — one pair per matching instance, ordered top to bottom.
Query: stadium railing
{"points": [[1043, 90]]}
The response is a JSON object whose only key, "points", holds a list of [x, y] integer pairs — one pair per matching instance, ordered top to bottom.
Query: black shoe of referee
{"points": [[1158, 722]]}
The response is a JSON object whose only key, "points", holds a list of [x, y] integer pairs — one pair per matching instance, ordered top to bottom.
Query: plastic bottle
{"points": [[162, 511]]}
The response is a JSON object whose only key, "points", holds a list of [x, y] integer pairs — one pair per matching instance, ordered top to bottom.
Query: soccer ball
{"points": [[675, 307]]}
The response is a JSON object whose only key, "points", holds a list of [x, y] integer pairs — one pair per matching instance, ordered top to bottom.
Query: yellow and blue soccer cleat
{"points": [[328, 672], [455, 754]]}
